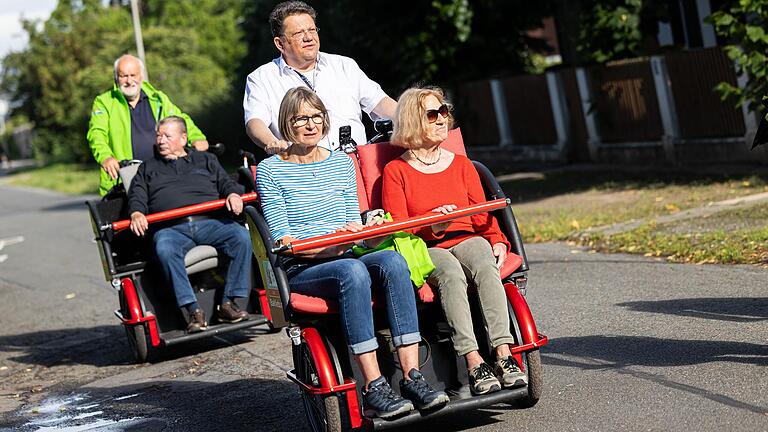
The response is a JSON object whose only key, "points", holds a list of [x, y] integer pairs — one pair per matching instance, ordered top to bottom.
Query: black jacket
{"points": [[162, 184]]}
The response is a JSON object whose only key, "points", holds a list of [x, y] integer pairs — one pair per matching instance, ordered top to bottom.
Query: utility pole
{"points": [[139, 39]]}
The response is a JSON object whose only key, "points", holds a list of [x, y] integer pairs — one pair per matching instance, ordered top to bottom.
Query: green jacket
{"points": [[109, 131]]}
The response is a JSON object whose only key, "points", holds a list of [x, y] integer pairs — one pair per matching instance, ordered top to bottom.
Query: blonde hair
{"points": [[290, 106], [410, 122]]}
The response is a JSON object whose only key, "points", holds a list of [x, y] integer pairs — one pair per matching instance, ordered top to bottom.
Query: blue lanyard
{"points": [[306, 81]]}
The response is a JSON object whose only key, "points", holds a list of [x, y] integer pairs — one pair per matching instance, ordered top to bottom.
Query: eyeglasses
{"points": [[299, 35], [444, 111], [300, 121]]}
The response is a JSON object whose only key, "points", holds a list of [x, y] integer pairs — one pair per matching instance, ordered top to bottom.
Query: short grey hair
{"points": [[284, 10], [141, 64], [290, 106], [174, 119]]}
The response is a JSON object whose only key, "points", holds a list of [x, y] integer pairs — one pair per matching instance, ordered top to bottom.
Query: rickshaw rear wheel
{"points": [[535, 380], [323, 412]]}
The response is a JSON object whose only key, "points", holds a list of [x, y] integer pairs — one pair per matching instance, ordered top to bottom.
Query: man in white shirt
{"points": [[342, 86]]}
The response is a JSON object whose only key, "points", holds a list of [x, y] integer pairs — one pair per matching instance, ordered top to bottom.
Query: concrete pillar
{"points": [[708, 38], [666, 106], [559, 108], [502, 115], [750, 117], [593, 137]]}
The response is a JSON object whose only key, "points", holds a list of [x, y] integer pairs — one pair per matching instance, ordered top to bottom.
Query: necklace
{"points": [[439, 153]]}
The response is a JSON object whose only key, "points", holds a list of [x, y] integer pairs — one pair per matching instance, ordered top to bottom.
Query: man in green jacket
{"points": [[123, 121]]}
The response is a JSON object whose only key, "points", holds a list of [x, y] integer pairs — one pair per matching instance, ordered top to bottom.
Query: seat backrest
{"points": [[374, 157], [128, 172]]}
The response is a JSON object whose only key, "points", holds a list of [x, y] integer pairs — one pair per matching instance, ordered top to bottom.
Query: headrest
{"points": [[374, 157]]}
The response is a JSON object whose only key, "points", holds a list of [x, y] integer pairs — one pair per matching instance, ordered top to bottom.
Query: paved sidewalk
{"points": [[9, 167], [698, 212]]}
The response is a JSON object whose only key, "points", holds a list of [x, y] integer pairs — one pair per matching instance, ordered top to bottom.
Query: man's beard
{"points": [[130, 92]]}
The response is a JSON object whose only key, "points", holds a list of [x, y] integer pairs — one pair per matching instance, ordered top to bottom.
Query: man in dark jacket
{"points": [[174, 178]]}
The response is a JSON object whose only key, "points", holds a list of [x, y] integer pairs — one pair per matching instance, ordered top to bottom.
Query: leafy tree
{"points": [[743, 24], [616, 29], [441, 42], [192, 53], [50, 80]]}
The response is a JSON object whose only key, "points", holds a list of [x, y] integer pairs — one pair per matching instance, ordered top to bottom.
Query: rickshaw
{"points": [[147, 307], [324, 373]]}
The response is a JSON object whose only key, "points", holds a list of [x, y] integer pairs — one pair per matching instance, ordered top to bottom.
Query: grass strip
{"points": [[73, 179], [749, 246]]}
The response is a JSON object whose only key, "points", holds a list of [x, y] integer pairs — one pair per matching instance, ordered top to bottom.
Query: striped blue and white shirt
{"points": [[307, 200]]}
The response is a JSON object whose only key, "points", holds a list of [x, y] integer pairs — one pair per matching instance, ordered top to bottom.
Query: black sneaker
{"points": [[509, 372], [482, 380], [418, 391], [380, 400]]}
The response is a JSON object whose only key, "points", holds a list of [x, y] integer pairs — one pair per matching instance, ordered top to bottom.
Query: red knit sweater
{"points": [[407, 192]]}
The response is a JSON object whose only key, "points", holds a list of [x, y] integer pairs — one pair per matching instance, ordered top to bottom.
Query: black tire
{"points": [[137, 339], [535, 371], [323, 411]]}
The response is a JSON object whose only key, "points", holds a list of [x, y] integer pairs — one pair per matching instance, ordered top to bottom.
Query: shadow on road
{"points": [[77, 205], [744, 309], [96, 346], [100, 346], [620, 351], [190, 403], [198, 403]]}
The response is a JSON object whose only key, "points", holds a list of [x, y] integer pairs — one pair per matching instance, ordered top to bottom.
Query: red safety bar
{"points": [[182, 211], [389, 228], [531, 337]]}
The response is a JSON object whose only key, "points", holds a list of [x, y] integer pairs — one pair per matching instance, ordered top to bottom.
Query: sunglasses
{"points": [[444, 111]]}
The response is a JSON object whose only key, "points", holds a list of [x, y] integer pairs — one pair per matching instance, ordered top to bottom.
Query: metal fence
{"points": [[624, 101], [658, 107], [529, 110], [700, 112]]}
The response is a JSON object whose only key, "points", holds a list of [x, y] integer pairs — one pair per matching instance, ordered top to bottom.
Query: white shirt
{"points": [[342, 86]]}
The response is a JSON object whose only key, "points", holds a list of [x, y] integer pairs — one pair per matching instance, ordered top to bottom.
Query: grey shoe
{"points": [[509, 372], [482, 380], [417, 390], [380, 400]]}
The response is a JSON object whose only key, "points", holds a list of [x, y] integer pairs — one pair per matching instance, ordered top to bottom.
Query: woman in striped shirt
{"points": [[308, 191]]}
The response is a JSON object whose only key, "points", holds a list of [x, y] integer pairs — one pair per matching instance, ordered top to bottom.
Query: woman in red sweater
{"points": [[466, 252]]}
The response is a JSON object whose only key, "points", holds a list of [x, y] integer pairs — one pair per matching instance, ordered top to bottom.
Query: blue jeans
{"points": [[227, 236], [351, 280]]}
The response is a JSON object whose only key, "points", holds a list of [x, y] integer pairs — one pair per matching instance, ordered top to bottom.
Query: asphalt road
{"points": [[635, 344]]}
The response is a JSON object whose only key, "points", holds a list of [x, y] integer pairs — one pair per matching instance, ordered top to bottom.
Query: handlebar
{"points": [[383, 129], [248, 158], [179, 212], [340, 238]]}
